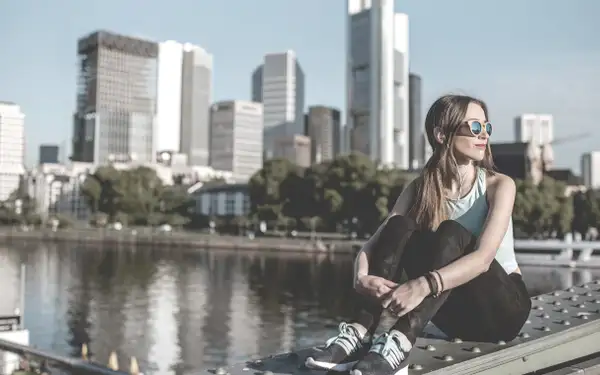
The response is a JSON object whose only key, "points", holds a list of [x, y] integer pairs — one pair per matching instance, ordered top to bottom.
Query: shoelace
{"points": [[347, 338], [392, 347]]}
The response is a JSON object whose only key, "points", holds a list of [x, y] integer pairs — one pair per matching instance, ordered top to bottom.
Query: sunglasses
{"points": [[477, 127]]}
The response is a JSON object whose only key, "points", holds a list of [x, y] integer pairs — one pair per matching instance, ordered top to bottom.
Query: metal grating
{"points": [[563, 325]]}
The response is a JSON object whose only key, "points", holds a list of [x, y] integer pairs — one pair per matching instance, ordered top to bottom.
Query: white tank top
{"points": [[471, 212]]}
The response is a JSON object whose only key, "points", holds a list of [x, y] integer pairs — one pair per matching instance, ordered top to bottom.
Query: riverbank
{"points": [[129, 238]]}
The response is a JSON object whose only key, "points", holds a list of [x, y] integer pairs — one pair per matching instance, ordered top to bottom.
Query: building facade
{"points": [[377, 81], [279, 85], [196, 98], [116, 99], [168, 107], [323, 127], [535, 128], [236, 137], [418, 138], [12, 148], [295, 148], [49, 154], [590, 169], [56, 189], [222, 200]]}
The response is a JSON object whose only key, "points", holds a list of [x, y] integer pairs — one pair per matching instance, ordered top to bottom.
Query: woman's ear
{"points": [[440, 137]]}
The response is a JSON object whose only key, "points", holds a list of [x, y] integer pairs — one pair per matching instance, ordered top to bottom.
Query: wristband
{"points": [[430, 278], [441, 286]]}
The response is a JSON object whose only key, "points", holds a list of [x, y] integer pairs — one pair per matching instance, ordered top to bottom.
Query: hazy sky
{"points": [[518, 55]]}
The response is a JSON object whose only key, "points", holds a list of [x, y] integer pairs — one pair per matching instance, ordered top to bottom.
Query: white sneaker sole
{"points": [[338, 367]]}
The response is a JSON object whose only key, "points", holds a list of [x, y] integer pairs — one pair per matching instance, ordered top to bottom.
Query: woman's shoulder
{"points": [[500, 183]]}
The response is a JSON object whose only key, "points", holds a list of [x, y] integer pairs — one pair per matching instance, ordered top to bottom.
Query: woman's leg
{"points": [[384, 262], [491, 307], [344, 350]]}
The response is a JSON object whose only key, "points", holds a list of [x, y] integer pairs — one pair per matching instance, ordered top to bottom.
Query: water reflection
{"points": [[180, 311]]}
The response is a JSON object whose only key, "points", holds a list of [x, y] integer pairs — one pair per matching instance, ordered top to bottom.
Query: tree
{"points": [[264, 189], [102, 191], [136, 196], [542, 210], [586, 211]]}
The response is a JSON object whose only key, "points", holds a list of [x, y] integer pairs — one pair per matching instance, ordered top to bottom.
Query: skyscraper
{"points": [[377, 81], [279, 84], [196, 98], [116, 99], [168, 116], [323, 129], [416, 132], [236, 137], [12, 147], [590, 169]]}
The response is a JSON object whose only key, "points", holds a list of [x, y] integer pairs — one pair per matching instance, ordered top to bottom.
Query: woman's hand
{"points": [[375, 286], [406, 297]]}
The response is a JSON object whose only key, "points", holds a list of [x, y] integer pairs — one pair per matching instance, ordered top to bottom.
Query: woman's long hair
{"points": [[445, 115]]}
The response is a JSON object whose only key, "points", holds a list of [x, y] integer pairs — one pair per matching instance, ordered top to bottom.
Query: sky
{"points": [[520, 56]]}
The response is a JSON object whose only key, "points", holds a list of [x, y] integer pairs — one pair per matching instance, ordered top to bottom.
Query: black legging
{"points": [[492, 307]]}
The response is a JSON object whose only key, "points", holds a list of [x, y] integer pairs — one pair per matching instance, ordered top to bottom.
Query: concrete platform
{"points": [[563, 326]]}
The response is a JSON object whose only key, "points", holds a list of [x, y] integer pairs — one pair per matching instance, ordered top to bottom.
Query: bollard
{"points": [[84, 352], [113, 361], [134, 369]]}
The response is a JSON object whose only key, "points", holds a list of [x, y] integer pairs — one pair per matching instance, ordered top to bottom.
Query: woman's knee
{"points": [[401, 221], [395, 229], [453, 230], [451, 241]]}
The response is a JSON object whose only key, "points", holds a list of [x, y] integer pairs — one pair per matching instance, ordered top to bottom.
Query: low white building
{"points": [[56, 189]]}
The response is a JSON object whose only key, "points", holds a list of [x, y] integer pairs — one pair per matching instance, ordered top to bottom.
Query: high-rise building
{"points": [[377, 81], [257, 84], [279, 85], [196, 98], [116, 99], [168, 107], [535, 128], [323, 129], [236, 137], [12, 147], [295, 148], [416, 149], [49, 154], [590, 169]]}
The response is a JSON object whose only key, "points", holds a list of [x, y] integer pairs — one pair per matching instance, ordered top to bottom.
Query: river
{"points": [[179, 311]]}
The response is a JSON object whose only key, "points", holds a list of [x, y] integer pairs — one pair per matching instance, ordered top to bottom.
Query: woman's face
{"points": [[471, 137]]}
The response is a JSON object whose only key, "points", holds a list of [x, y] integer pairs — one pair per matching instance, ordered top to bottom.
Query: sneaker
{"points": [[341, 352], [387, 356]]}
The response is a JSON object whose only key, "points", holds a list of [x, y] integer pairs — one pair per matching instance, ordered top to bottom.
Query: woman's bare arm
{"points": [[501, 191], [401, 207]]}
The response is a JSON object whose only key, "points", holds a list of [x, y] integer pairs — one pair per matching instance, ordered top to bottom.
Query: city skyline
{"points": [[540, 70]]}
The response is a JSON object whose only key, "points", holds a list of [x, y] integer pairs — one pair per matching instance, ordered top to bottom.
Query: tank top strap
{"points": [[481, 181]]}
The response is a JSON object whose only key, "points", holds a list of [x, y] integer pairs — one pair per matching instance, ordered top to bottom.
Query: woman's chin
{"points": [[473, 155]]}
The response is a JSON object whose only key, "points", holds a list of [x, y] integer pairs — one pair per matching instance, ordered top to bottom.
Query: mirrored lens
{"points": [[476, 127], [488, 129]]}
